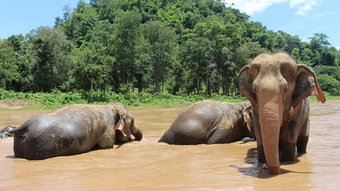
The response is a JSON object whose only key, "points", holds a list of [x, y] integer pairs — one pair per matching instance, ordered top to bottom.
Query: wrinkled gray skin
{"points": [[277, 89], [210, 123], [74, 129], [5, 132]]}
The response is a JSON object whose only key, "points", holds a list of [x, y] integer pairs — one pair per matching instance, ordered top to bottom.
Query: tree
{"points": [[77, 26], [318, 40], [190, 46], [125, 49], [162, 51], [95, 58], [24, 60], [52, 61], [198, 61], [93, 68], [9, 69]]}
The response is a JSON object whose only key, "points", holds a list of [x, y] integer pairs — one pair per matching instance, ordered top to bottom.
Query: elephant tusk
{"points": [[123, 133]]}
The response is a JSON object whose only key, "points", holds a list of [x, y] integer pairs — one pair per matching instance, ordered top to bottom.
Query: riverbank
{"points": [[20, 100]]}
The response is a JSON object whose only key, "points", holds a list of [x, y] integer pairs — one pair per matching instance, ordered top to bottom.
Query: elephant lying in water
{"points": [[210, 122], [74, 129]]}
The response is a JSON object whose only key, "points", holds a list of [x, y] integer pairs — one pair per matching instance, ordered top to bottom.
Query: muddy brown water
{"points": [[148, 165]]}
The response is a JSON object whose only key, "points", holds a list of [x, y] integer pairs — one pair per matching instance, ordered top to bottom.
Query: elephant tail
{"points": [[22, 129], [18, 130], [6, 132]]}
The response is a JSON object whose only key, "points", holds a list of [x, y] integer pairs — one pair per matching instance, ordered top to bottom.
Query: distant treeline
{"points": [[152, 46]]}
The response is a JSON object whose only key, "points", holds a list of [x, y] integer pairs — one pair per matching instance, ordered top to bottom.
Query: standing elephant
{"points": [[277, 89], [209, 122], [74, 129]]}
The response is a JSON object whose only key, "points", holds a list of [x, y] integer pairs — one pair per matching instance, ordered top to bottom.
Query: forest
{"points": [[152, 46]]}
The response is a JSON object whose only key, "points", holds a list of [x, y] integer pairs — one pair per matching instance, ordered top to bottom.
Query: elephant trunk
{"points": [[270, 121], [136, 132], [138, 135]]}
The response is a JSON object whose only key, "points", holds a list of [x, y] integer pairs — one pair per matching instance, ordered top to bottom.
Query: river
{"points": [[148, 165]]}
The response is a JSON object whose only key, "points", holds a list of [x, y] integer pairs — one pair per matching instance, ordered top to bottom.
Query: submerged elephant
{"points": [[277, 89], [210, 122], [74, 129], [6, 132]]}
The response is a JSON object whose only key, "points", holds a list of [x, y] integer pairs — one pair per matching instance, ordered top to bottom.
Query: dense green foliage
{"points": [[135, 47], [57, 99]]}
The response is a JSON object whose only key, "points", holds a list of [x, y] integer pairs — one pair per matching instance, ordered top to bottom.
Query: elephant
{"points": [[278, 89], [209, 122], [74, 129], [4, 133]]}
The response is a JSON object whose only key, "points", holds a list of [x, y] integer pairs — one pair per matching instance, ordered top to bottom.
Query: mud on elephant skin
{"points": [[277, 89], [210, 122], [74, 129]]}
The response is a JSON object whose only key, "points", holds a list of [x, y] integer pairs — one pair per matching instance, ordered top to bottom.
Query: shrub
{"points": [[329, 84]]}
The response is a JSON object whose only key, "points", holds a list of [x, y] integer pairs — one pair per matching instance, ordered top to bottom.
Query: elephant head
{"points": [[275, 86], [125, 126]]}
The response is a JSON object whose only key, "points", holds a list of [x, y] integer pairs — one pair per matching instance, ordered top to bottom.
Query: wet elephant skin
{"points": [[278, 89], [208, 122], [72, 130]]}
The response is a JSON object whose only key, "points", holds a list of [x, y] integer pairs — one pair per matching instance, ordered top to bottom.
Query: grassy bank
{"points": [[58, 99]]}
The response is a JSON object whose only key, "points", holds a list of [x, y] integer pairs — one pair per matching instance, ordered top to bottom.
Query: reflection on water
{"points": [[148, 165]]}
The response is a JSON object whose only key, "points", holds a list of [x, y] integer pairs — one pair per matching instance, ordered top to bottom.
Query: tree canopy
{"points": [[180, 47]]}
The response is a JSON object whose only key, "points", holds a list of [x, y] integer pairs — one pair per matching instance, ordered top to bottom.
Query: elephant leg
{"points": [[189, 133], [220, 135], [302, 140], [106, 142], [302, 144], [287, 151], [260, 154]]}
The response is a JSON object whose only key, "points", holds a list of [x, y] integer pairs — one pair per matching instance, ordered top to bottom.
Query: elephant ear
{"points": [[246, 84], [306, 85], [248, 119], [120, 124]]}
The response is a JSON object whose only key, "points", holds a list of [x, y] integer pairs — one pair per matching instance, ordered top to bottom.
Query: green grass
{"points": [[328, 97], [333, 98], [59, 99]]}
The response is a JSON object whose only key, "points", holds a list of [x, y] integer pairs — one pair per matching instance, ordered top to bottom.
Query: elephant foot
{"points": [[302, 144], [274, 169]]}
